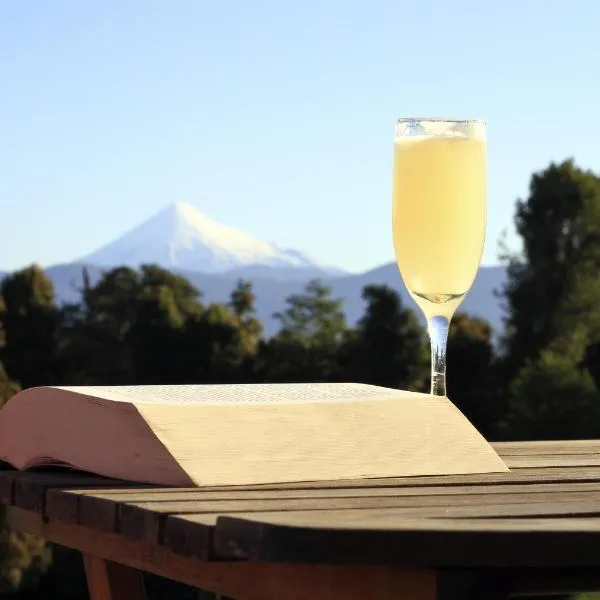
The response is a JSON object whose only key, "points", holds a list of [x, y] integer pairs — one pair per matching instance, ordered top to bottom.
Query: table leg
{"points": [[108, 580]]}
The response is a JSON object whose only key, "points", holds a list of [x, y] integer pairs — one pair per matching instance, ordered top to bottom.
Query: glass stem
{"points": [[437, 328]]}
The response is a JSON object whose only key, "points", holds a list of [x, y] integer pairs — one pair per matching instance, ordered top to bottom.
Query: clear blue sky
{"points": [[273, 116]]}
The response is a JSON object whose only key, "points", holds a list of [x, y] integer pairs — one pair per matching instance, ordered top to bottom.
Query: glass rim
{"points": [[439, 120]]}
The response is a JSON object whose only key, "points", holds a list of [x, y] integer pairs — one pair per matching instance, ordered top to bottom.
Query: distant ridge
{"points": [[271, 291]]}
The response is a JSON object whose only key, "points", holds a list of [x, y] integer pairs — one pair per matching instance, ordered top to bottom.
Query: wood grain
{"points": [[505, 449], [552, 460], [37, 484], [29, 489], [554, 492], [141, 514], [145, 520], [387, 539], [241, 580]]}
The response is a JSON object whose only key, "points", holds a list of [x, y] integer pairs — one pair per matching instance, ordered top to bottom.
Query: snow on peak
{"points": [[182, 237]]}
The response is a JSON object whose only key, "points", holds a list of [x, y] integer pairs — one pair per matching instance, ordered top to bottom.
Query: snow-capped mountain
{"points": [[181, 237], [212, 257]]}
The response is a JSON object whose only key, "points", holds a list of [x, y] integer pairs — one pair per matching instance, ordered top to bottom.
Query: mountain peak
{"points": [[185, 209], [182, 237]]}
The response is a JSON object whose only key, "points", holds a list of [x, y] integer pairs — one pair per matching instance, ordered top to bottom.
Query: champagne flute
{"points": [[439, 219]]}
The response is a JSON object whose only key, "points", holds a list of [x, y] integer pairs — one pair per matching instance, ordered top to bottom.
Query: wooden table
{"points": [[533, 530]]}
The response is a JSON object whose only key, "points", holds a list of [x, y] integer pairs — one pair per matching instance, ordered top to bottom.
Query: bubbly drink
{"points": [[439, 217]]}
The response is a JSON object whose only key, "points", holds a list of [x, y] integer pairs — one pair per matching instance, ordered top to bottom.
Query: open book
{"points": [[201, 435]]}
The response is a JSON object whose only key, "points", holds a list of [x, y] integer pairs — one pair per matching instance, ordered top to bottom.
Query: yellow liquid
{"points": [[439, 217]]}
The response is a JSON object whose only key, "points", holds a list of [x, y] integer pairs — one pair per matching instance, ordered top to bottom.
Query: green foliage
{"points": [[553, 288], [242, 303], [163, 305], [313, 319], [30, 322], [128, 328], [313, 329], [388, 347], [217, 348], [551, 348], [471, 377], [8, 388], [551, 398], [24, 559]]}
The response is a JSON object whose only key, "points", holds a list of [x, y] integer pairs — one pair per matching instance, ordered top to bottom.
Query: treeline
{"points": [[149, 326], [539, 380]]}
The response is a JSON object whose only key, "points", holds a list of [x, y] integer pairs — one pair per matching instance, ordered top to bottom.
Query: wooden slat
{"points": [[563, 447], [552, 460], [516, 477], [38, 483], [29, 489], [136, 495], [63, 504], [99, 513], [140, 514], [144, 520], [185, 520], [181, 530], [394, 539], [242, 580], [255, 581]]}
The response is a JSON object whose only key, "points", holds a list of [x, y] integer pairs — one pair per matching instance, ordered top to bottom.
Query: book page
{"points": [[288, 393], [245, 434], [225, 444]]}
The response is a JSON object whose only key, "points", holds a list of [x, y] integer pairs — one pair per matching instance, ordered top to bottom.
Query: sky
{"points": [[274, 116]]}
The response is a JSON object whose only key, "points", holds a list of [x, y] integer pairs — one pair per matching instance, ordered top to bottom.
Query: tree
{"points": [[554, 284], [186, 298], [242, 299], [242, 303], [164, 305], [313, 319], [31, 324], [553, 327], [128, 328], [313, 328], [97, 344], [388, 346], [217, 348], [472, 380], [8, 388], [552, 399]]}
